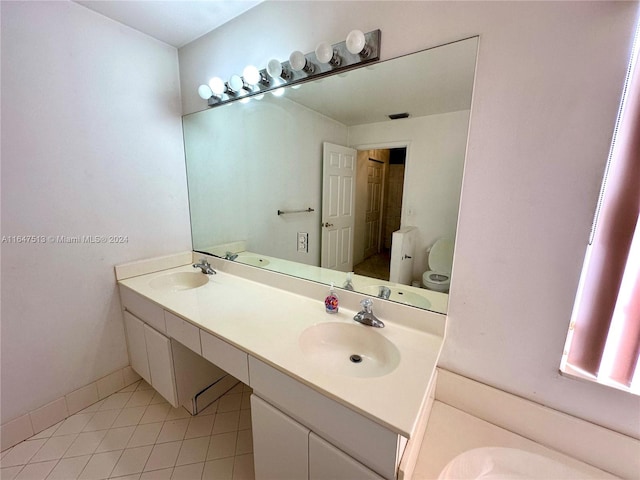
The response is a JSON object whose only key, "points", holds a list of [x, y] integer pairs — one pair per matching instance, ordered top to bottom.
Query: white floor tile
{"points": [[144, 386], [130, 388], [238, 388], [140, 398], [157, 398], [246, 400], [116, 401], [230, 403], [93, 407], [210, 410], [155, 413], [177, 413], [128, 416], [101, 420], [245, 420], [226, 422], [74, 424], [199, 426], [173, 430], [46, 433], [145, 435], [115, 439], [244, 443], [85, 444], [222, 445], [54, 449], [193, 451], [22, 453], [163, 455], [131, 461], [100, 465], [243, 467], [69, 468], [221, 469], [36, 471], [188, 472], [10, 473], [164, 474]]}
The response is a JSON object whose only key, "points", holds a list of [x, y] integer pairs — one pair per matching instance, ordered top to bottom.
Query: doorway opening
{"points": [[379, 189]]}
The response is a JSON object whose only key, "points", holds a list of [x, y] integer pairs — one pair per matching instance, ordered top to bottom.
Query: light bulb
{"points": [[355, 42], [324, 52], [297, 61], [274, 68], [251, 75], [236, 83], [217, 86], [205, 92], [278, 92], [259, 96]]}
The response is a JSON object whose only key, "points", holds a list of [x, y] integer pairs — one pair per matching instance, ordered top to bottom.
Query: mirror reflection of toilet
{"points": [[439, 263]]}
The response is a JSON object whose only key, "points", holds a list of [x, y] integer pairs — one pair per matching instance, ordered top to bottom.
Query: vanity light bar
{"points": [[341, 60]]}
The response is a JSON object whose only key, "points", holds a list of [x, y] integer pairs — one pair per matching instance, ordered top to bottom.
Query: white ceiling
{"points": [[176, 22]]}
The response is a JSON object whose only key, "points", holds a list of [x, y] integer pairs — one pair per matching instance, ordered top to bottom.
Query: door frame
{"points": [[407, 169]]}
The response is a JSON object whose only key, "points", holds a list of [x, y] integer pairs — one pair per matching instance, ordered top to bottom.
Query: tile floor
{"points": [[135, 434]]}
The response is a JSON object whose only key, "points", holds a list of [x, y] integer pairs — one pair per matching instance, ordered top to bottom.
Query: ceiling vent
{"points": [[396, 116]]}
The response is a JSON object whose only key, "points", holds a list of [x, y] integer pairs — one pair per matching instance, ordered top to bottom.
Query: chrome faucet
{"points": [[230, 256], [205, 267], [385, 292], [366, 316]]}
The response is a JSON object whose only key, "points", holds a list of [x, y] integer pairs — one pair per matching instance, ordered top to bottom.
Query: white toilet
{"points": [[439, 262]]}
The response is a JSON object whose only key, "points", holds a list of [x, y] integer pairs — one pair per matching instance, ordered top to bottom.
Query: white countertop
{"points": [[266, 322]]}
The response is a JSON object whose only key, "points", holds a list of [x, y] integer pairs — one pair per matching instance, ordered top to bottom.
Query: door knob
{"points": [[327, 224]]}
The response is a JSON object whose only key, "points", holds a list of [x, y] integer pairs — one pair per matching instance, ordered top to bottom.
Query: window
{"points": [[603, 343]]}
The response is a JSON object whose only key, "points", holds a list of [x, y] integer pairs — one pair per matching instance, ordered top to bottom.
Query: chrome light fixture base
{"points": [[347, 61]]}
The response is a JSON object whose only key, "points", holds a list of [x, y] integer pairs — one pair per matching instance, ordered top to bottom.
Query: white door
{"points": [[373, 214], [338, 216], [161, 365], [280, 444], [326, 462]]}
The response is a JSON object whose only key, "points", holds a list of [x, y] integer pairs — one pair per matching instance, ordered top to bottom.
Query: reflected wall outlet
{"points": [[303, 242]]}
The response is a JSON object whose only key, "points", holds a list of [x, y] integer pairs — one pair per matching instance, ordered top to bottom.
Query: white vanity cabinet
{"points": [[134, 329], [165, 350], [151, 356], [161, 364], [280, 444], [358, 444]]}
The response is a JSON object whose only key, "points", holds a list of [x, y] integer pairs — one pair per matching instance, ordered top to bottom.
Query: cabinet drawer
{"points": [[144, 309], [183, 331], [227, 357], [365, 440]]}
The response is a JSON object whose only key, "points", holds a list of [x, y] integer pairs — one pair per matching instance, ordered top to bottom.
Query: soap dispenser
{"points": [[348, 285], [331, 301]]}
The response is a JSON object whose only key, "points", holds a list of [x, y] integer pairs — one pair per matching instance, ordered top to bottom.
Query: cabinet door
{"points": [[137, 346], [161, 364], [280, 444], [326, 462]]}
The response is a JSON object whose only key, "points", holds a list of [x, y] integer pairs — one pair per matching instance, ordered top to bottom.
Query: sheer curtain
{"points": [[604, 338]]}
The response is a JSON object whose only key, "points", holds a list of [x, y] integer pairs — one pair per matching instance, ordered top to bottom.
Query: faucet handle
{"points": [[367, 304]]}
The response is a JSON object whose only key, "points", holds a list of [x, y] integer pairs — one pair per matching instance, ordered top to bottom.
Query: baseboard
{"points": [[40, 419], [593, 444]]}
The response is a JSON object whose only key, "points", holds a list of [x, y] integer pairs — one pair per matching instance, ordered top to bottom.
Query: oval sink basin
{"points": [[254, 261], [178, 281], [400, 295], [349, 349]]}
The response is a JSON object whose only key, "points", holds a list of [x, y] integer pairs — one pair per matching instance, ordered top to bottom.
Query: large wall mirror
{"points": [[352, 179]]}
